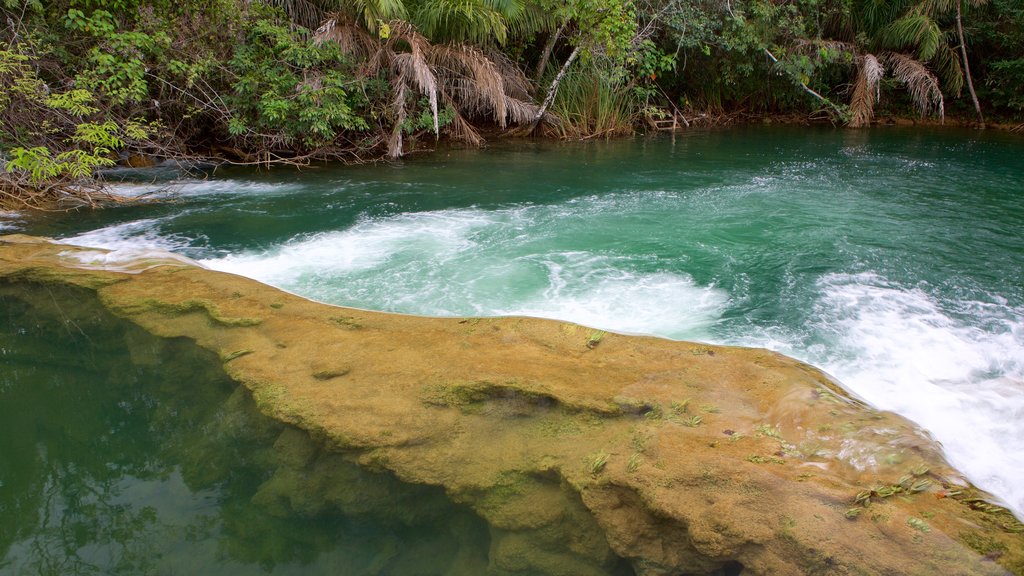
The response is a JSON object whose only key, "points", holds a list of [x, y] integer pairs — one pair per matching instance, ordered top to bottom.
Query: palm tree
{"points": [[904, 38], [470, 83], [922, 85]]}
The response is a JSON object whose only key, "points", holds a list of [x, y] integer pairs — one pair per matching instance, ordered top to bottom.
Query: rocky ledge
{"points": [[586, 452]]}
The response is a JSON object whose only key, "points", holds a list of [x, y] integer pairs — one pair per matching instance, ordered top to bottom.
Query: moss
{"points": [[60, 276], [187, 307], [346, 322], [236, 354], [465, 394], [600, 423], [561, 425], [758, 459], [981, 544]]}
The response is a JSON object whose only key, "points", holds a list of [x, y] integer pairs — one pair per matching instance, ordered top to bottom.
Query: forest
{"points": [[89, 84]]}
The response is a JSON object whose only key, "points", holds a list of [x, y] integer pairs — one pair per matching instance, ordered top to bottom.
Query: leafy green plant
{"points": [[290, 91], [598, 462]]}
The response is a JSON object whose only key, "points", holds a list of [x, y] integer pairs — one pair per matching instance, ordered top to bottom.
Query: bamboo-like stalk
{"points": [[967, 65]]}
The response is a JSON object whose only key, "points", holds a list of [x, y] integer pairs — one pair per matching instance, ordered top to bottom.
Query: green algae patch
{"points": [[187, 307], [466, 394], [633, 455]]}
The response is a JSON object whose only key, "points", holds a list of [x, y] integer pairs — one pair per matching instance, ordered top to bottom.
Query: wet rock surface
{"points": [[585, 452]]}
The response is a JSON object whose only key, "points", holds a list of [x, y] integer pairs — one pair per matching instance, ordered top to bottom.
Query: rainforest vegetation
{"points": [[87, 84]]}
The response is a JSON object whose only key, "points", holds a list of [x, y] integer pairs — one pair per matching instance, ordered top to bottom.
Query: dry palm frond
{"points": [[302, 12], [341, 29], [414, 65], [414, 69], [464, 78], [920, 82], [517, 85], [481, 88], [865, 90], [398, 105], [522, 112], [461, 129]]}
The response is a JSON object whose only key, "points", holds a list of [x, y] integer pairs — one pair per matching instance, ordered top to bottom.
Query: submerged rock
{"points": [[585, 452]]}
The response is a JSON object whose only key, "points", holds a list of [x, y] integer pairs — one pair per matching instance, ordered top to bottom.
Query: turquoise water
{"points": [[891, 258], [125, 454]]}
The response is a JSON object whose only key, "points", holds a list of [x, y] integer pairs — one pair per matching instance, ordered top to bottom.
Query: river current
{"points": [[890, 258]]}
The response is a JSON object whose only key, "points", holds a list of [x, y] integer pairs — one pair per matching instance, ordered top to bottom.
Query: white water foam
{"points": [[219, 187], [10, 222], [140, 239], [366, 246], [482, 263], [603, 295], [902, 350]]}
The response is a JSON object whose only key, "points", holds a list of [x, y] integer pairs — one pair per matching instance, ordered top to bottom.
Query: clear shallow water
{"points": [[892, 259], [125, 454]]}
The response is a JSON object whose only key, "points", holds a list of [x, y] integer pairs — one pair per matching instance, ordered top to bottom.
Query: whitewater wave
{"points": [[9, 222], [132, 238], [481, 263], [955, 368]]}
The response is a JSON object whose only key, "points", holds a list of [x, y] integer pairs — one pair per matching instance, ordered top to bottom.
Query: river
{"points": [[890, 258]]}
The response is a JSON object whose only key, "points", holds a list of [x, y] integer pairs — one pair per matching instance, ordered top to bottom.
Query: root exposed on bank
{"points": [[19, 193]]}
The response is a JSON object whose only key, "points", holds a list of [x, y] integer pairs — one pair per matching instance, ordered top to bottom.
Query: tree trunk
{"points": [[545, 54], [967, 66], [807, 88], [553, 90]]}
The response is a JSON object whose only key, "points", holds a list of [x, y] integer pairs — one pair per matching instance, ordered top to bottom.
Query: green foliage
{"points": [[998, 34], [116, 63], [76, 76], [286, 85], [76, 102], [423, 119], [45, 152], [42, 166]]}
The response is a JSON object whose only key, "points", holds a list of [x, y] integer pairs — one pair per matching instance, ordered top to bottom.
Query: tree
{"points": [[946, 6]]}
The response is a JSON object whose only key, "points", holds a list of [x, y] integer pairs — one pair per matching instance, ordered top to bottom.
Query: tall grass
{"points": [[592, 105]]}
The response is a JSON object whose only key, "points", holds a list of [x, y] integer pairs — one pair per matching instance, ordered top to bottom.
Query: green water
{"points": [[891, 258], [126, 454]]}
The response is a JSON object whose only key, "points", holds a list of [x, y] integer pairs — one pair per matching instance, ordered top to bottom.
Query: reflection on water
{"points": [[124, 453]]}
